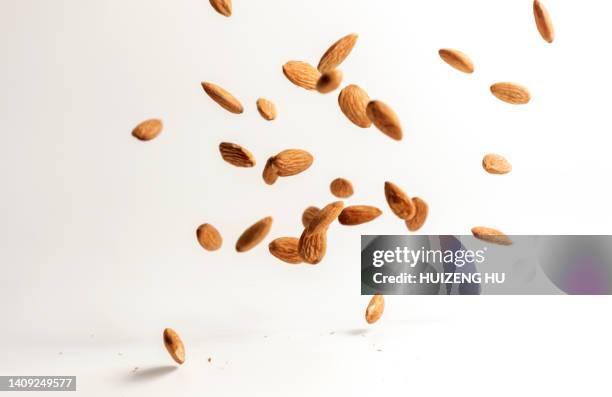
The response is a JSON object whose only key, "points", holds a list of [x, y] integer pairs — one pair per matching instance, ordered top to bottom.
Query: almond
{"points": [[223, 7], [543, 21], [337, 53], [457, 59], [302, 74], [329, 81], [511, 93], [226, 100], [353, 101], [266, 109], [385, 119], [148, 129], [236, 155], [292, 161], [496, 164], [270, 173], [341, 188], [399, 202], [309, 214], [358, 214], [325, 217], [418, 220], [254, 235], [491, 235], [209, 237], [312, 247], [286, 249], [375, 309], [174, 345]]}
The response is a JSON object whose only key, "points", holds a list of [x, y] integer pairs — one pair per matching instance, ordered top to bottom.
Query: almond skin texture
{"points": [[223, 7], [543, 21], [337, 53], [457, 59], [302, 74], [329, 81], [514, 94], [226, 100], [353, 101], [267, 109], [385, 119], [148, 129], [236, 155], [292, 162], [496, 164], [270, 173], [341, 188], [399, 202], [422, 210], [309, 214], [358, 214], [324, 218], [254, 235], [491, 235], [209, 237], [312, 247], [286, 249], [375, 309], [174, 345]]}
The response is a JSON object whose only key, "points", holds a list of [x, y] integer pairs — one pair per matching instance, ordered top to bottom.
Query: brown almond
{"points": [[223, 7], [543, 21], [337, 53], [457, 59], [302, 74], [329, 81], [511, 93], [226, 100], [353, 101], [267, 109], [385, 119], [148, 129], [236, 155], [292, 161], [496, 164], [270, 173], [341, 188], [399, 202], [309, 214], [358, 214], [325, 217], [418, 220], [254, 235], [491, 235], [209, 237], [312, 247], [286, 249], [375, 309], [174, 345]]}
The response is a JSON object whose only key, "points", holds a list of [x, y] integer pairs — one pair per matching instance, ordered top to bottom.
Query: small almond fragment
{"points": [[223, 7], [543, 21], [337, 53], [457, 59], [302, 74], [329, 81], [511, 93], [226, 100], [353, 101], [267, 109], [385, 119], [148, 129], [236, 155], [292, 161], [496, 164], [270, 173], [341, 188], [399, 202], [309, 214], [358, 214], [325, 217], [418, 220], [254, 235], [491, 235], [209, 237], [312, 247], [286, 249], [375, 309], [174, 345]]}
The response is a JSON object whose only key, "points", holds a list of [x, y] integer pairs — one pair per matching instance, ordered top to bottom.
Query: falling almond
{"points": [[543, 21], [337, 53], [457, 59], [302, 74], [329, 81], [511, 93], [226, 100], [353, 101], [266, 109], [385, 119], [148, 129], [236, 155], [292, 162], [496, 164], [270, 173], [341, 188], [399, 202], [309, 214], [358, 214], [324, 218], [419, 218], [254, 235], [491, 235], [209, 237], [312, 247], [286, 249], [375, 309], [174, 345]]}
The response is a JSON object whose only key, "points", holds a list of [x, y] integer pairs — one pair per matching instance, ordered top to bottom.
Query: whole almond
{"points": [[223, 7], [543, 21], [337, 53], [457, 59], [302, 74], [329, 81], [511, 93], [226, 100], [353, 101], [266, 109], [385, 119], [148, 129], [236, 155], [292, 161], [496, 164], [270, 173], [341, 188], [399, 202], [309, 214], [358, 214], [325, 217], [418, 220], [254, 235], [491, 235], [209, 237], [312, 247], [286, 249], [375, 309], [174, 345]]}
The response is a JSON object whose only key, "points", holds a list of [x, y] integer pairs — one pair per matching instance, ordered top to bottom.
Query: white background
{"points": [[97, 246]]}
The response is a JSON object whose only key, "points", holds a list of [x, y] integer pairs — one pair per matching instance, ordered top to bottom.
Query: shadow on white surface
{"points": [[152, 373]]}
